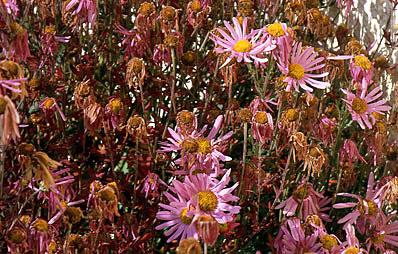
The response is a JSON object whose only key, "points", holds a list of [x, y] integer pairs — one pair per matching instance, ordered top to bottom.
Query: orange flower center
{"points": [[292, 114], [261, 117], [41, 225], [352, 250]]}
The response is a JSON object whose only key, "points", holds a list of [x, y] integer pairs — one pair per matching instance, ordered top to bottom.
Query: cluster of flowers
{"points": [[99, 136]]}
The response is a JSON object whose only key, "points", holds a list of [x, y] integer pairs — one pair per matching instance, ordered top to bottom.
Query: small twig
{"points": [[173, 81], [243, 157]]}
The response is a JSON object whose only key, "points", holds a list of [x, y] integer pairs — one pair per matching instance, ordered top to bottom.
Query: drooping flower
{"points": [[84, 10], [282, 36], [242, 46], [361, 68], [298, 69], [362, 106], [9, 119], [384, 234]]}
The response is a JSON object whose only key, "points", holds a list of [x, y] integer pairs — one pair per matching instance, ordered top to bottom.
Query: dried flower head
{"points": [[195, 6], [245, 7], [146, 9], [168, 14], [172, 40], [189, 58], [135, 71], [34, 83], [245, 115], [136, 126], [26, 149], [314, 159], [43, 165], [72, 215], [40, 225], [17, 235], [189, 246]]}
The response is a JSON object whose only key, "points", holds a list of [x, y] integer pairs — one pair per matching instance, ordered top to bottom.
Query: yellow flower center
{"points": [[195, 6], [240, 20], [17, 28], [49, 30], [275, 30], [243, 46], [363, 62], [296, 71], [48, 103], [359, 105], [115, 106], [292, 115], [378, 116], [261, 117], [381, 127], [190, 145], [204, 146], [301, 193], [207, 200], [369, 210], [183, 216], [25, 219], [41, 225], [223, 226], [17, 236], [378, 238], [328, 242], [52, 247], [352, 250]]}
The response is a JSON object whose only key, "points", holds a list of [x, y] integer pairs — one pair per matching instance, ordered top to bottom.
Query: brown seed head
{"points": [[195, 6], [146, 9], [168, 14], [172, 41], [34, 83], [245, 115], [26, 149], [40, 225], [17, 235], [189, 246]]}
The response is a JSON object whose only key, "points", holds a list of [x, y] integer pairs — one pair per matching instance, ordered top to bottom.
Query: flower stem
{"points": [[173, 81], [260, 150], [242, 174]]}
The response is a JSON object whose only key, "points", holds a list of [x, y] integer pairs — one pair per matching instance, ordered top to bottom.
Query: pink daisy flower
{"points": [[86, 10], [281, 36], [242, 46], [361, 68], [297, 69], [362, 106], [349, 152], [305, 195], [209, 196], [365, 209], [178, 221], [384, 235], [291, 239], [351, 245]]}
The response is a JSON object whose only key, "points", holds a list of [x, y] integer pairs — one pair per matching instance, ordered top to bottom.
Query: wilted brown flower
{"points": [[195, 6], [245, 7], [146, 9], [168, 14], [172, 40], [354, 47], [189, 58], [381, 62], [10, 70], [135, 72], [34, 83], [81, 92], [245, 115], [10, 120], [186, 121], [136, 126], [300, 144], [26, 149], [314, 159], [42, 166], [107, 200], [72, 215], [207, 229], [17, 235], [75, 242], [189, 246]]}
